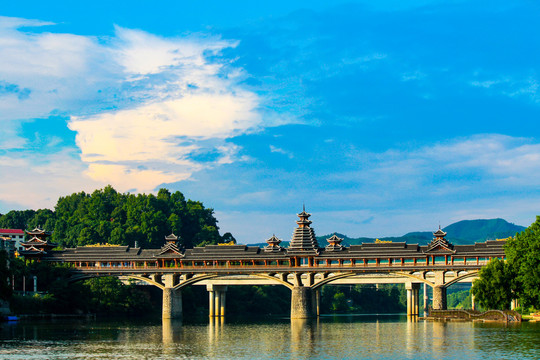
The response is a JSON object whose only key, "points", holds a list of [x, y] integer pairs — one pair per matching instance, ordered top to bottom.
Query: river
{"points": [[330, 337]]}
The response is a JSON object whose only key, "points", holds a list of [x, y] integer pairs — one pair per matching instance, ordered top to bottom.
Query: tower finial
{"points": [[303, 206]]}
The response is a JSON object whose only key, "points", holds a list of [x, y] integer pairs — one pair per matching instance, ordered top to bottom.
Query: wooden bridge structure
{"points": [[303, 267]]}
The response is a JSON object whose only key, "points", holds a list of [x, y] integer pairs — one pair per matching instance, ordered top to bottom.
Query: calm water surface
{"points": [[352, 337]]}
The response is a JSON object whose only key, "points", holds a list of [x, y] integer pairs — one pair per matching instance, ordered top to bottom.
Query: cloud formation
{"points": [[143, 106], [193, 106], [478, 165]]}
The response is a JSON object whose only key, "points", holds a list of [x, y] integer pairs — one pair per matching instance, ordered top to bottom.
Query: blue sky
{"points": [[382, 118]]}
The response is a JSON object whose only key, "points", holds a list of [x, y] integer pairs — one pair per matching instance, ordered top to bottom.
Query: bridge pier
{"points": [[439, 297], [217, 298], [413, 298], [302, 302], [172, 304]]}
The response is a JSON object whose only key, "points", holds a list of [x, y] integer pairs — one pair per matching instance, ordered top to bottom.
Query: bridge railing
{"points": [[287, 263]]}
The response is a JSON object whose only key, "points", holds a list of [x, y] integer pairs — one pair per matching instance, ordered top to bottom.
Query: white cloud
{"points": [[56, 71], [514, 87], [173, 100], [162, 132], [278, 150], [34, 182]]}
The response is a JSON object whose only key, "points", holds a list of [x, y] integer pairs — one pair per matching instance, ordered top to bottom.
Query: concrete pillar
{"points": [[168, 280], [297, 280], [408, 287], [216, 295], [223, 297], [439, 297], [413, 298], [426, 298], [301, 302], [217, 303], [473, 303], [172, 304], [514, 304], [211, 306]]}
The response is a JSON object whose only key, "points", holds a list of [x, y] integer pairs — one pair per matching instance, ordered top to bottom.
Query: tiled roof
{"points": [[12, 231]]}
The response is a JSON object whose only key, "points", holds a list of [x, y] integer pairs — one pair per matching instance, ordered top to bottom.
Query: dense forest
{"points": [[107, 216]]}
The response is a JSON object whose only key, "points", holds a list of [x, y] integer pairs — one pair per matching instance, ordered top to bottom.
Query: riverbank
{"points": [[474, 315], [46, 316]]}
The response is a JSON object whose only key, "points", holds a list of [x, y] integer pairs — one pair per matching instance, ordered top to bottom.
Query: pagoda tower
{"points": [[303, 241], [439, 242], [334, 243], [273, 244], [38, 245], [171, 245]]}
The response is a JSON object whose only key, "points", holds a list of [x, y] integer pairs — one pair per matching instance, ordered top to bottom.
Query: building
{"points": [[17, 235], [38, 245]]}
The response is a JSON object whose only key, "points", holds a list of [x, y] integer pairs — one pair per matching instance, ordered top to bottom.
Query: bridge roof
{"points": [[244, 252]]}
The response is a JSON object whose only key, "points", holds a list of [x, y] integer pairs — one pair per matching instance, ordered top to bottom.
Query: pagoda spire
{"points": [[303, 240], [439, 242]]}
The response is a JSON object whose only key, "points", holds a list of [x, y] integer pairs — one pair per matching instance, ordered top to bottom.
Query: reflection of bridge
{"points": [[303, 267]]}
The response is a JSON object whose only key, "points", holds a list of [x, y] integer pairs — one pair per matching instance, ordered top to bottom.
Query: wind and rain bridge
{"points": [[303, 267]]}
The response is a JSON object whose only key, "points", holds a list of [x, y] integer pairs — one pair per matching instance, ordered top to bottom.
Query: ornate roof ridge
{"points": [[439, 240], [273, 244], [170, 247]]}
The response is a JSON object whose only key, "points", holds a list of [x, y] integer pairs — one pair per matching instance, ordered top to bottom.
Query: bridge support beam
{"points": [[439, 297], [217, 298], [413, 298], [301, 302], [172, 304]]}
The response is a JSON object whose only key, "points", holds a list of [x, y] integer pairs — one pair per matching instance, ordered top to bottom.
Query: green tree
{"points": [[106, 216], [16, 219], [228, 238], [523, 256], [493, 288], [110, 295], [339, 302]]}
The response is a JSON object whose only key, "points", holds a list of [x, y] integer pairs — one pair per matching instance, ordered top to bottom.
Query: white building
{"points": [[14, 234]]}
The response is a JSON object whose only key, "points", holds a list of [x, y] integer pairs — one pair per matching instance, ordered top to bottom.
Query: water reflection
{"points": [[215, 329], [172, 331], [303, 337], [381, 337]]}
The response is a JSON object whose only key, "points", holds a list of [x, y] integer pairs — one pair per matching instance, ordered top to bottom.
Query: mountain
{"points": [[481, 230], [461, 232]]}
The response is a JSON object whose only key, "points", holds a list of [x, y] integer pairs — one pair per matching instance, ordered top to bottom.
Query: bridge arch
{"points": [[339, 276], [134, 277], [203, 277], [459, 278]]}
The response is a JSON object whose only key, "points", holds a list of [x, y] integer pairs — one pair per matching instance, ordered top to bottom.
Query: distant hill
{"points": [[481, 230], [462, 232]]}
